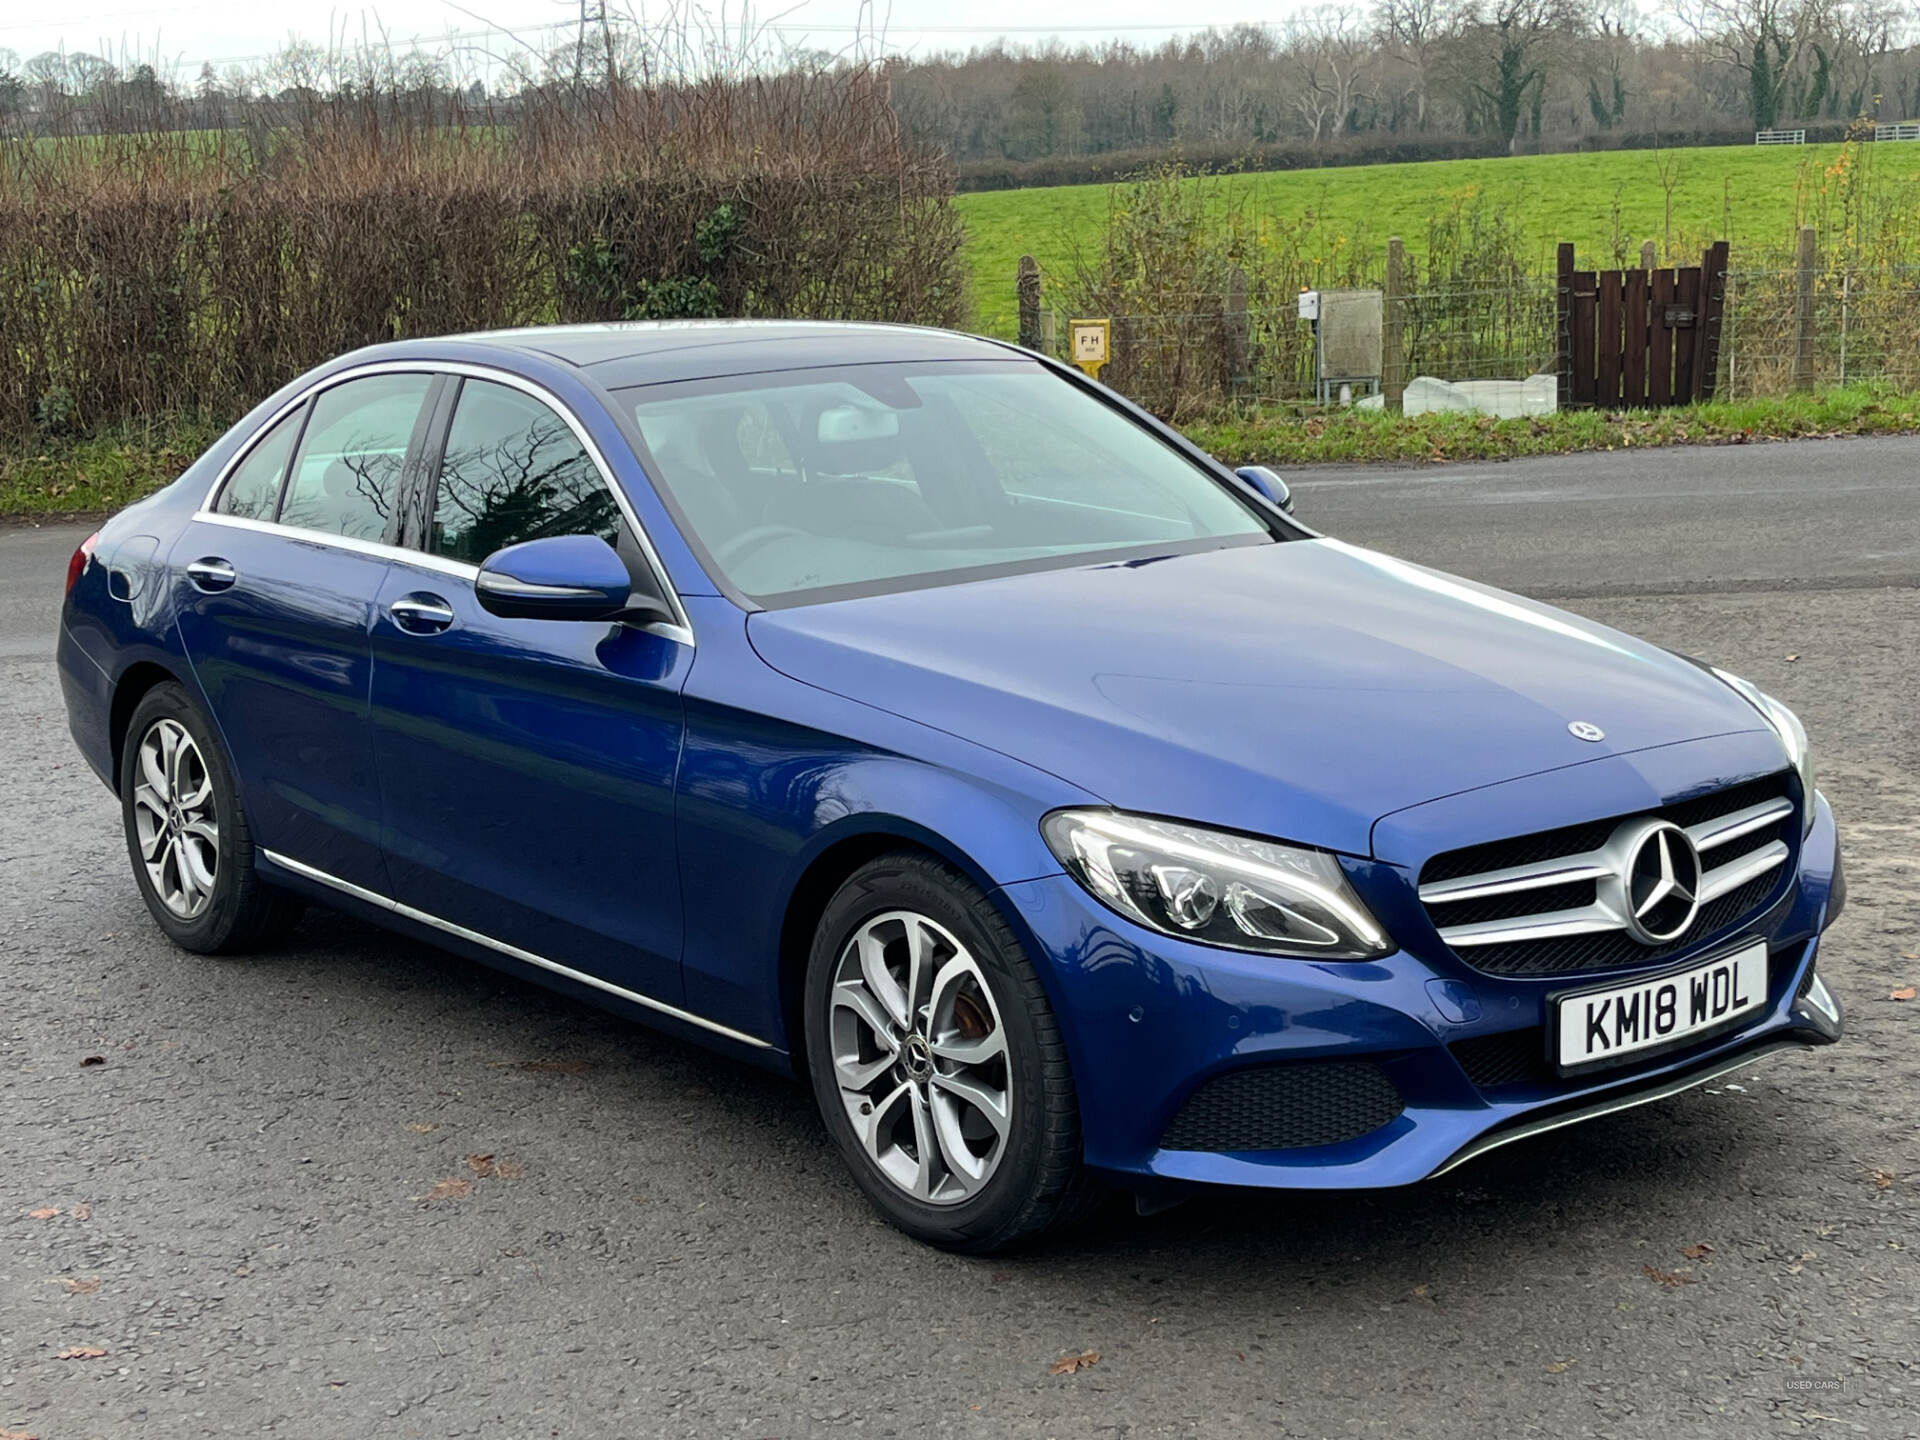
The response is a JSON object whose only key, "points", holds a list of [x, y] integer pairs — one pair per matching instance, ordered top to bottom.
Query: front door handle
{"points": [[211, 574], [421, 613]]}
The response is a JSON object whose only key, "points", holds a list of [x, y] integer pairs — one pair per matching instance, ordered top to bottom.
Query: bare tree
{"points": [[1411, 35], [1767, 41], [1610, 52], [1328, 54], [1501, 54]]}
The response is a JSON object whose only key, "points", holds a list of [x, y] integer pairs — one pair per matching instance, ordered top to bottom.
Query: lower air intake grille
{"points": [[1513, 1057], [1285, 1107]]}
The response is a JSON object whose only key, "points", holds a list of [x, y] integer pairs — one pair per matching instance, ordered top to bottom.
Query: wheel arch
{"points": [[128, 691], [842, 852]]}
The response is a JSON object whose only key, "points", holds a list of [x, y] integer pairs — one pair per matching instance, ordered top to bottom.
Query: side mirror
{"points": [[1268, 484], [563, 577]]}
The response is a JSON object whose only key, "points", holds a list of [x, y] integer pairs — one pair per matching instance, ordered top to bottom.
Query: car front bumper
{"points": [[1150, 1020]]}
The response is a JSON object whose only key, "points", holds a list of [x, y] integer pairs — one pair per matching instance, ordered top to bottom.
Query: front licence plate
{"points": [[1607, 1026]]}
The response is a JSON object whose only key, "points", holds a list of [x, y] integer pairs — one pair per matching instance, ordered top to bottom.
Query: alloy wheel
{"points": [[174, 818], [920, 1057]]}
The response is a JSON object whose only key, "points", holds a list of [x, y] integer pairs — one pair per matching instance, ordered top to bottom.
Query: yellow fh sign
{"points": [[1089, 344]]}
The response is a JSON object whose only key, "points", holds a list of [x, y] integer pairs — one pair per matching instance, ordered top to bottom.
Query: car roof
{"points": [[646, 352]]}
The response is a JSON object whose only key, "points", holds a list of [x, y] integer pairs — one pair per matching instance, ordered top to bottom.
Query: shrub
{"points": [[173, 272]]}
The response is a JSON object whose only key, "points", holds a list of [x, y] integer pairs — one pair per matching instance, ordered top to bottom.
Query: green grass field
{"points": [[1752, 195]]}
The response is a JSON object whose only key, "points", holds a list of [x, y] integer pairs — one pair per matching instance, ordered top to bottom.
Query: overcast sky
{"points": [[188, 32]]}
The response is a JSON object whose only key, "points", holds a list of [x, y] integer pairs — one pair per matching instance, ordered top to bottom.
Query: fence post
{"points": [[1649, 257], [1027, 286], [1803, 314], [1563, 317], [1239, 335], [1393, 358]]}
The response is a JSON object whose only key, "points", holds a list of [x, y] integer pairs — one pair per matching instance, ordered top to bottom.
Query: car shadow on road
{"points": [[1668, 1165]]}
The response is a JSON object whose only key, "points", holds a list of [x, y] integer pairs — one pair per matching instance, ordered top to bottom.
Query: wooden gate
{"points": [[1636, 338]]}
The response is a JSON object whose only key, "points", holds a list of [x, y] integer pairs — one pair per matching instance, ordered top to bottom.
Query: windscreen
{"points": [[818, 483]]}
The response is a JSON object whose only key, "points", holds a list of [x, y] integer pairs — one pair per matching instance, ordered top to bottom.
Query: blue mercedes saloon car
{"points": [[904, 709]]}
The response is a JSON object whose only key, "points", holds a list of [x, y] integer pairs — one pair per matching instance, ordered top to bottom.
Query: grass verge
{"points": [[1273, 437], [100, 475]]}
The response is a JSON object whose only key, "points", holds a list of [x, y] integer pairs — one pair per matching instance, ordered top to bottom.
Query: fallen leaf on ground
{"points": [[1910, 954], [1905, 992], [93, 1060], [420, 1127], [480, 1164], [509, 1170], [1882, 1180], [454, 1187], [83, 1212], [45, 1213], [1697, 1252], [1666, 1277], [77, 1286], [81, 1352], [1067, 1364], [1558, 1367], [17, 1435]]}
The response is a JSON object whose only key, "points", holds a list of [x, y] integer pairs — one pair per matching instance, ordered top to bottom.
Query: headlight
{"points": [[1786, 724], [1216, 888]]}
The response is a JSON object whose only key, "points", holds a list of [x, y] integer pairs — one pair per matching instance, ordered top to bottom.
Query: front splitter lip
{"points": [[1813, 1019], [1817, 1020], [1538, 1123]]}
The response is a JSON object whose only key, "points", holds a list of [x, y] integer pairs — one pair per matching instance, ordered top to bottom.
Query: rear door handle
{"points": [[211, 574], [421, 613]]}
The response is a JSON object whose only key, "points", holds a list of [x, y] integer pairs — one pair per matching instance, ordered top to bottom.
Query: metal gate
{"points": [[1638, 338]]}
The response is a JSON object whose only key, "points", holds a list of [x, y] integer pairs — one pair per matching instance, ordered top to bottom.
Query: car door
{"points": [[278, 579], [527, 766]]}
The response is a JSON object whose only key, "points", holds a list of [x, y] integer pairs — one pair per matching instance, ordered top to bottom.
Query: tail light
{"points": [[77, 566]]}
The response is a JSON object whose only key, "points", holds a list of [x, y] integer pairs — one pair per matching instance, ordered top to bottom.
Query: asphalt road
{"points": [[1818, 513], [254, 1221]]}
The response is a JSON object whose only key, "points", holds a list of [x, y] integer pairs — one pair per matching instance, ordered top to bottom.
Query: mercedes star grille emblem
{"points": [[1585, 730], [1663, 885]]}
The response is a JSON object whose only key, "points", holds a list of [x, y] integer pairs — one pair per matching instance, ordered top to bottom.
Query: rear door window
{"points": [[346, 480]]}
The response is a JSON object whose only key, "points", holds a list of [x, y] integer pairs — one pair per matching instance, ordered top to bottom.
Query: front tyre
{"points": [[192, 853], [937, 1063]]}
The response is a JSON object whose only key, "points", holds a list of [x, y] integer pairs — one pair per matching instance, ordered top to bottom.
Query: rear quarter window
{"points": [[252, 491]]}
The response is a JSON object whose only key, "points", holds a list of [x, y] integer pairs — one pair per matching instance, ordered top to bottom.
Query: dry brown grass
{"points": [[160, 271]]}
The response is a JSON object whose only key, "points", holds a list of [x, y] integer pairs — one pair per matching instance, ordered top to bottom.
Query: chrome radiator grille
{"points": [[1616, 893]]}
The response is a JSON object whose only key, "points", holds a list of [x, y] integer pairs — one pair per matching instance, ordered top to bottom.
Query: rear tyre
{"points": [[187, 837], [937, 1062]]}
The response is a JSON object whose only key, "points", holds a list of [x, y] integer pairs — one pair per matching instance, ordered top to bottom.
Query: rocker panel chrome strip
{"points": [[408, 912]]}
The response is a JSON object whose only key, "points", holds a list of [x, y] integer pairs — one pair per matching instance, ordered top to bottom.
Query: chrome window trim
{"points": [[379, 549], [679, 629], [423, 917]]}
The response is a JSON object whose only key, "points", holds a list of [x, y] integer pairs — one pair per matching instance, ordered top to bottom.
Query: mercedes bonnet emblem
{"points": [[1585, 730]]}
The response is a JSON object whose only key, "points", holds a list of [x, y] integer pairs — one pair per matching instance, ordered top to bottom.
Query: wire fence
{"points": [[1856, 325], [1201, 353]]}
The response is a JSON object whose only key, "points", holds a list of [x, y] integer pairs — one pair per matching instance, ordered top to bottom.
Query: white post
{"points": [[1846, 287]]}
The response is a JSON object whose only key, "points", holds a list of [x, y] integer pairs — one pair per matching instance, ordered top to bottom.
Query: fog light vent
{"points": [[1285, 1107]]}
